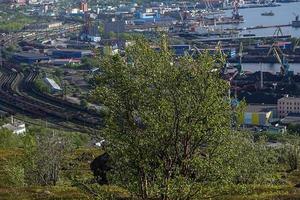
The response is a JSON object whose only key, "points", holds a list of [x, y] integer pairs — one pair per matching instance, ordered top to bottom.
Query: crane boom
{"points": [[277, 56], [284, 66]]}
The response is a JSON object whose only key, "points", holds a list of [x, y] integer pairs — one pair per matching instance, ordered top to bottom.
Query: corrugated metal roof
{"points": [[53, 84]]}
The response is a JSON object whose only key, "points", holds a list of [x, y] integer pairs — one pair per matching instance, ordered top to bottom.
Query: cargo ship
{"points": [[268, 13], [296, 22]]}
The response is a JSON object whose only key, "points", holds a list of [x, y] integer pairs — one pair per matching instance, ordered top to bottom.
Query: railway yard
{"points": [[63, 50], [20, 96]]}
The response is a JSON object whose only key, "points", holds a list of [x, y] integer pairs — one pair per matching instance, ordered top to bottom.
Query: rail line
{"points": [[32, 90], [18, 94], [16, 99], [79, 113]]}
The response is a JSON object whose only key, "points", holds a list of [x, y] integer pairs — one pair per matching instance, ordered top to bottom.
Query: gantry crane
{"points": [[235, 12], [278, 32], [296, 43], [240, 55], [281, 58]]}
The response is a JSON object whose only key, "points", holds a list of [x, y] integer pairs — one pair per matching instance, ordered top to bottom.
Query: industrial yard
{"points": [[51, 65], [150, 100]]}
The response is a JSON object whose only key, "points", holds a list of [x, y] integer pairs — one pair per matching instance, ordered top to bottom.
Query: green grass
{"points": [[14, 21], [77, 166], [64, 190], [286, 191], [43, 193]]}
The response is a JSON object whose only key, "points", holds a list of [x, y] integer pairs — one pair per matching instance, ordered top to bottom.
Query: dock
{"points": [[259, 27], [229, 39]]}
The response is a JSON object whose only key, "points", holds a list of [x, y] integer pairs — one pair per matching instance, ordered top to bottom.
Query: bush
{"points": [[9, 139]]}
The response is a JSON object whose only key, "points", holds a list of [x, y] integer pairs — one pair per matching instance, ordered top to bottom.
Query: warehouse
{"points": [[70, 53], [29, 58], [53, 85], [258, 115]]}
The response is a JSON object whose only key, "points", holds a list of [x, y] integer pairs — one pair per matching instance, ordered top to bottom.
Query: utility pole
{"points": [[261, 77]]}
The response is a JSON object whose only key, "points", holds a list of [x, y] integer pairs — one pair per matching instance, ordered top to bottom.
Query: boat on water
{"points": [[268, 13], [296, 22]]}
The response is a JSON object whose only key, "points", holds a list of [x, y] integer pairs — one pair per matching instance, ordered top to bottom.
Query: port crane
{"points": [[235, 12], [278, 32], [296, 43], [240, 55], [281, 57]]}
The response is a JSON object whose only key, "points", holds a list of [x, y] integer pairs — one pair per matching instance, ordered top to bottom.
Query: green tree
{"points": [[101, 29], [112, 35], [88, 63], [58, 72], [41, 85], [169, 123], [9, 139], [289, 153], [44, 154], [13, 172]]}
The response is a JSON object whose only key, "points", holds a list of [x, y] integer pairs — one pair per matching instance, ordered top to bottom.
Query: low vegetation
{"points": [[13, 22], [170, 133]]}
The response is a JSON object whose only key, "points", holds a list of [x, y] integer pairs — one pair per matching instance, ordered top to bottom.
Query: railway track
{"points": [[12, 84], [30, 88], [19, 95], [13, 100], [79, 113]]}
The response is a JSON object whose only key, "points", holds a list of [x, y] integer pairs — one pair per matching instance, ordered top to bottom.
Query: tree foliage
{"points": [[169, 125], [9, 139], [44, 155]]}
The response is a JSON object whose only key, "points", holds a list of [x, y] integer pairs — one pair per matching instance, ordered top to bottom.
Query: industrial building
{"points": [[148, 16], [70, 53], [29, 58], [53, 85], [287, 105], [258, 115], [291, 118], [16, 126]]}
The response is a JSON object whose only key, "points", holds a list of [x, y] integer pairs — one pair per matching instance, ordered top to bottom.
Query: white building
{"points": [[52, 84], [16, 126]]}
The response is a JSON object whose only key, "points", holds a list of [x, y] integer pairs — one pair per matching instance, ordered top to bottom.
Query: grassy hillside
{"points": [[77, 166]]}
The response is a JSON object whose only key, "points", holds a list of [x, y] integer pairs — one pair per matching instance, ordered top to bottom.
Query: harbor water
{"points": [[283, 15], [269, 67]]}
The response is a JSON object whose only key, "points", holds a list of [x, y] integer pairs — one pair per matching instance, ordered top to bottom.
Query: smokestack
{"points": [[12, 119]]}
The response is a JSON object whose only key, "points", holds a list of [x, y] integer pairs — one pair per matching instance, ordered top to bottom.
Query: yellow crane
{"points": [[281, 58]]}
